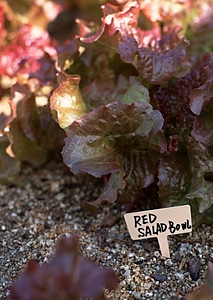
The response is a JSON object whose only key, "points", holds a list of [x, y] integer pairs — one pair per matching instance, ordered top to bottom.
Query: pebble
{"points": [[184, 247], [157, 254], [168, 262], [194, 269], [179, 276], [158, 277], [136, 295]]}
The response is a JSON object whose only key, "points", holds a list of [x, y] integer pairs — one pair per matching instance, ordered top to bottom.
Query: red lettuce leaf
{"points": [[115, 18], [124, 20], [2, 22], [127, 47], [23, 52], [66, 54], [157, 56], [158, 63], [46, 71], [201, 96], [173, 100], [4, 121], [202, 130], [34, 135], [120, 139], [95, 141], [201, 164], [185, 172], [140, 173], [174, 178], [127, 185], [109, 194], [68, 275]]}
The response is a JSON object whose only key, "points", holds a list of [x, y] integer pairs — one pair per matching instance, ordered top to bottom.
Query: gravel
{"points": [[47, 205]]}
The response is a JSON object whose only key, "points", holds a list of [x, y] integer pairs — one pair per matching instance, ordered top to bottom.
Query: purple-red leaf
{"points": [[123, 19], [2, 21], [23, 52], [159, 63], [200, 96], [203, 126], [34, 134], [96, 141], [201, 164], [174, 178], [110, 193], [67, 276]]}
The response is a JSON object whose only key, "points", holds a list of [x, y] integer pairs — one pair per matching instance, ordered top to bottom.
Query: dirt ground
{"points": [[47, 205]]}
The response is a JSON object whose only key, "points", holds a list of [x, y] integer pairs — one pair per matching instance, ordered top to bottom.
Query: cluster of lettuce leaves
{"points": [[124, 89], [133, 96]]}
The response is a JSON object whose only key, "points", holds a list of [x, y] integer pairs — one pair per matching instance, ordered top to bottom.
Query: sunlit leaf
{"points": [[67, 101]]}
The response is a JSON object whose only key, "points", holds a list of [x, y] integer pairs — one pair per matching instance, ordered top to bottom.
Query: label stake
{"points": [[159, 223]]}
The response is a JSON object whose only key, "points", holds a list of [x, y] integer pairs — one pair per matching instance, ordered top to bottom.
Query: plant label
{"points": [[159, 223]]}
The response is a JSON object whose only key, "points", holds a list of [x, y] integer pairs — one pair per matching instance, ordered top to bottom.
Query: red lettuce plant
{"points": [[133, 95], [150, 105], [68, 275]]}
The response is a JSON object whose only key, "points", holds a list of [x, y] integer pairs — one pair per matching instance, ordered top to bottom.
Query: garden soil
{"points": [[46, 205]]}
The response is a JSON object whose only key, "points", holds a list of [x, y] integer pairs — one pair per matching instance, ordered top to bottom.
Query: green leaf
{"points": [[136, 92]]}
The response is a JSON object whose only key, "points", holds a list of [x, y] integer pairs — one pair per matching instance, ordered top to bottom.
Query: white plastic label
{"points": [[159, 223]]}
